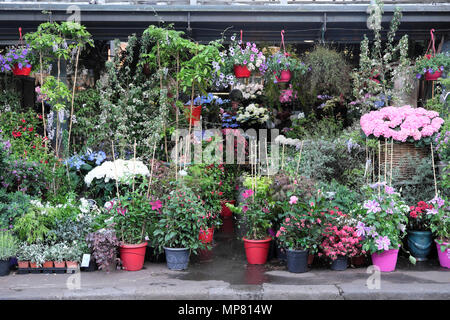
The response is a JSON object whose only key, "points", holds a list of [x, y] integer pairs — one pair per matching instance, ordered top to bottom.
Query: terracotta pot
{"points": [[241, 71], [21, 72], [433, 76], [310, 259], [23, 264], [48, 264], [59, 264], [72, 264], [33, 265]]}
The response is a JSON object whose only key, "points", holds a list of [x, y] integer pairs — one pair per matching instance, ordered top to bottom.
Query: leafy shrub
{"points": [[12, 206], [103, 244], [8, 245]]}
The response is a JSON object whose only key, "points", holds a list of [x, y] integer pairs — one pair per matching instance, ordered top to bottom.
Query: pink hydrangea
{"points": [[401, 123]]}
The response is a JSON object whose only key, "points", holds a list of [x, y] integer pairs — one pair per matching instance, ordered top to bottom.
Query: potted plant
{"points": [[244, 58], [17, 60], [280, 67], [432, 67], [252, 115], [133, 215], [255, 219], [382, 225], [440, 226], [178, 228], [419, 234], [103, 243], [340, 244], [8, 249], [57, 252], [73, 255], [24, 256], [37, 258], [48, 258]]}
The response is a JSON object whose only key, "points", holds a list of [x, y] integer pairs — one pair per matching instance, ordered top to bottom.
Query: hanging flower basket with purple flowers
{"points": [[17, 60], [431, 67]]}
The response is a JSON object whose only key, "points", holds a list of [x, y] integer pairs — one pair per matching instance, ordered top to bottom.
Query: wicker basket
{"points": [[403, 153]]}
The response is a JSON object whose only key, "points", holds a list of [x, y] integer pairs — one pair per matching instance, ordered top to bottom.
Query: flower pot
{"points": [[241, 71], [21, 72], [285, 76], [433, 76], [193, 116], [226, 212], [206, 236], [419, 243], [257, 250], [281, 253], [205, 255], [132, 256], [444, 257], [177, 258], [310, 259], [297, 260], [386, 260], [358, 261], [23, 264], [48, 264], [59, 264], [72, 264], [340, 264], [33, 265], [4, 267]]}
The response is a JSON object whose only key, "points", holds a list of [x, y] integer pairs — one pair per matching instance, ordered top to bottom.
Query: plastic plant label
{"points": [[86, 259]]}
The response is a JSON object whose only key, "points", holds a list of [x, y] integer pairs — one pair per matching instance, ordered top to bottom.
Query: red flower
{"points": [[23, 120], [30, 129], [16, 134], [413, 214]]}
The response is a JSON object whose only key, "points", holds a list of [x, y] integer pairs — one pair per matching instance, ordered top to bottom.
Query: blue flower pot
{"points": [[419, 243], [177, 258], [297, 260], [340, 264]]}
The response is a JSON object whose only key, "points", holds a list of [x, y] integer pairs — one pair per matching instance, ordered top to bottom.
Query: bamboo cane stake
{"points": [[73, 98], [42, 100], [282, 157], [267, 158], [299, 159], [385, 159], [392, 160], [134, 161], [379, 167], [115, 170], [151, 170], [434, 170]]}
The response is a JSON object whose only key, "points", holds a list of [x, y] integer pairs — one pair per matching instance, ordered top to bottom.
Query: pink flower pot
{"points": [[241, 71], [285, 76], [433, 76], [444, 257], [386, 260]]}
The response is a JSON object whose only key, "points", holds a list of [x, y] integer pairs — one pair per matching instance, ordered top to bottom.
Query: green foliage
{"points": [[330, 72], [10, 99], [310, 127], [12, 206], [182, 216], [440, 221], [8, 245]]}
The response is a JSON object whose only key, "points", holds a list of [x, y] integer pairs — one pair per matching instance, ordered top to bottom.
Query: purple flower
{"points": [[244, 62], [442, 68], [418, 76], [389, 190], [437, 200], [372, 206], [360, 229], [383, 243]]}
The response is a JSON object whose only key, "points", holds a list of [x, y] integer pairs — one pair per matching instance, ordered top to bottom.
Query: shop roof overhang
{"points": [[337, 22]]}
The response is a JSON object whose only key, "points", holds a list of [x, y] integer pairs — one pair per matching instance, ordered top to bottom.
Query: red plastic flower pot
{"points": [[241, 71], [21, 72], [285, 76], [433, 76], [193, 116], [226, 212], [206, 236], [257, 250], [132, 256], [444, 257], [386, 260], [23, 264], [48, 264], [72, 264], [33, 265]]}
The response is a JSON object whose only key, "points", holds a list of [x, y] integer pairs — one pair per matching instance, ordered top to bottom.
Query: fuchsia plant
{"points": [[401, 123]]}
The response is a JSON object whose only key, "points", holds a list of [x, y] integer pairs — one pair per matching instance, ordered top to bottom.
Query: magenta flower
{"points": [[247, 193], [293, 200], [156, 205], [383, 243]]}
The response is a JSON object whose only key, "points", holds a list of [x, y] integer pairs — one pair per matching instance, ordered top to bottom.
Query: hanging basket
{"points": [[21, 72], [285, 76], [433, 76], [195, 115], [403, 153]]}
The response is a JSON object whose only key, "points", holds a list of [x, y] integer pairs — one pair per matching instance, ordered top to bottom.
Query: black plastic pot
{"points": [[177, 258], [297, 260], [340, 264], [4, 267]]}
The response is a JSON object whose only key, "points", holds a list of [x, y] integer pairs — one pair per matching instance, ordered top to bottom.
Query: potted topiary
{"points": [[17, 60], [432, 68], [382, 224], [440, 226], [177, 230], [419, 234], [8, 249]]}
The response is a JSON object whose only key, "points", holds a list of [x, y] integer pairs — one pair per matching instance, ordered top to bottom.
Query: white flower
{"points": [[123, 170], [182, 173]]}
